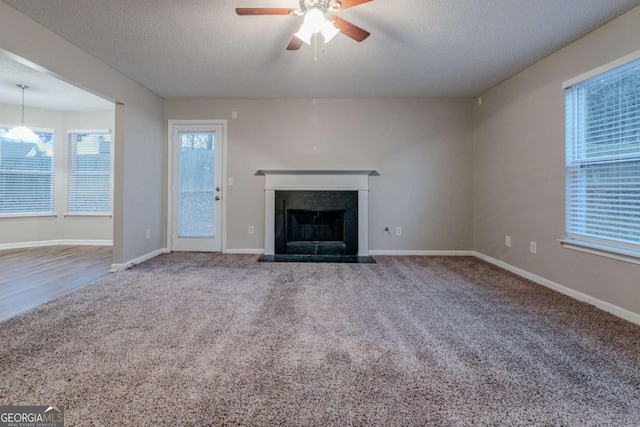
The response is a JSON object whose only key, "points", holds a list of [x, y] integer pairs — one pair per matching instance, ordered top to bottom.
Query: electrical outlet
{"points": [[230, 181], [251, 229], [398, 231], [148, 233], [507, 241], [533, 247]]}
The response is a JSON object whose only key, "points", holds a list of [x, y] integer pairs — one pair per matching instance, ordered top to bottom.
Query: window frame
{"points": [[36, 214], [97, 214], [611, 248]]}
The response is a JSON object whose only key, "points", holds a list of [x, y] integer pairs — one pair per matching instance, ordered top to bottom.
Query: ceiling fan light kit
{"points": [[316, 21]]}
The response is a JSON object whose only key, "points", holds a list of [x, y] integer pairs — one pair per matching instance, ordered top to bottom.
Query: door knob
{"points": [[218, 189], [217, 198]]}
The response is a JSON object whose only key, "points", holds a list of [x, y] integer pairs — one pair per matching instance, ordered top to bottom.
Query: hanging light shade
{"points": [[329, 31], [22, 133]]}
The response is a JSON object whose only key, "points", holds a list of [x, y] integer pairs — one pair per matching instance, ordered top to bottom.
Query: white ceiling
{"points": [[417, 48], [45, 91]]}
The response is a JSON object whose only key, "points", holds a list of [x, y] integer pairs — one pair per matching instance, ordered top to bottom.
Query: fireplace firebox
{"points": [[316, 222], [311, 225]]}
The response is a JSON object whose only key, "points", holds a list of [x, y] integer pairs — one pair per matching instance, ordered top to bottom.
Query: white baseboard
{"points": [[60, 242], [245, 251], [420, 253], [143, 258], [603, 305]]}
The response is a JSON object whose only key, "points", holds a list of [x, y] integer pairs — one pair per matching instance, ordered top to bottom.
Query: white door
{"points": [[196, 187]]}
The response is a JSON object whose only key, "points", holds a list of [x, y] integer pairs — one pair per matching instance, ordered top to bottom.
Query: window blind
{"points": [[603, 157], [89, 172], [26, 175]]}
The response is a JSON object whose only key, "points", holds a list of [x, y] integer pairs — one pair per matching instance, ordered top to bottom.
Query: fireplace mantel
{"points": [[316, 172], [317, 180]]}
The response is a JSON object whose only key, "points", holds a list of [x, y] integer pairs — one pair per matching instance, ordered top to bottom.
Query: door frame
{"points": [[169, 212]]}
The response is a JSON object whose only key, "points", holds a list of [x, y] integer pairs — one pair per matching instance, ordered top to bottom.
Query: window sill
{"points": [[89, 215], [28, 216], [620, 254]]}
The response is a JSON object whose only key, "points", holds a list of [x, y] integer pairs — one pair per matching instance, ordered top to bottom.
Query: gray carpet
{"points": [[198, 339]]}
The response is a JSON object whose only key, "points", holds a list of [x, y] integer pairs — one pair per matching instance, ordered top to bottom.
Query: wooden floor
{"points": [[32, 276]]}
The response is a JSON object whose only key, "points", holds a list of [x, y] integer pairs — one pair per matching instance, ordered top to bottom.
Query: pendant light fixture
{"points": [[22, 133]]}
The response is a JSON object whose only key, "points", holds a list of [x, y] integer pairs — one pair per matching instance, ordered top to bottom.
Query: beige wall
{"points": [[139, 143], [421, 148], [519, 175], [21, 230]]}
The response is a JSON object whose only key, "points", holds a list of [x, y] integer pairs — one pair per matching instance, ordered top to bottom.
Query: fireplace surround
{"points": [[317, 180]]}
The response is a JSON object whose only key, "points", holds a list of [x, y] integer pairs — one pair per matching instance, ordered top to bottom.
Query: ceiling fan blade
{"points": [[346, 4], [263, 11], [349, 29], [294, 44]]}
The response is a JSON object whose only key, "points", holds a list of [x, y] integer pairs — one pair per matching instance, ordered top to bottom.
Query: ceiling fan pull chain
{"points": [[315, 47]]}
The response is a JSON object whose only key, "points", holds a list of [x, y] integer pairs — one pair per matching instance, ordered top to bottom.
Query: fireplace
{"points": [[356, 219], [316, 222], [304, 225]]}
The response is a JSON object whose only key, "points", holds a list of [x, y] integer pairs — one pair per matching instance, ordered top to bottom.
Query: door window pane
{"points": [[196, 216]]}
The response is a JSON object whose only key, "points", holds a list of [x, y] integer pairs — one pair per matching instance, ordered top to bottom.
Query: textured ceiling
{"points": [[417, 48], [44, 91]]}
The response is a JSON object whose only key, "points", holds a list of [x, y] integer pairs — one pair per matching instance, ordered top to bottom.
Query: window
{"points": [[603, 159], [89, 172], [26, 175]]}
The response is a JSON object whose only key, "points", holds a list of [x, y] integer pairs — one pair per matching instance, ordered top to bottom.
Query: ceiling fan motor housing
{"points": [[325, 5]]}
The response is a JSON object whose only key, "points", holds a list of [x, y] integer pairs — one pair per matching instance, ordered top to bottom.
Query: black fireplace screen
{"points": [[316, 222], [313, 225]]}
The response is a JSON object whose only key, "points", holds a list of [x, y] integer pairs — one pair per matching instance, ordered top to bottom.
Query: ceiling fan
{"points": [[316, 20]]}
